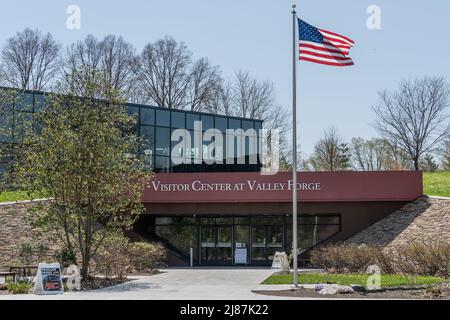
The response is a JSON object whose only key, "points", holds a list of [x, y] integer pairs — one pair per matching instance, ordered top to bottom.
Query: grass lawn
{"points": [[436, 183], [8, 196], [348, 279]]}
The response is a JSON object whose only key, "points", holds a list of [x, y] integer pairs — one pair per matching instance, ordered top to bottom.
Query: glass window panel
{"points": [[24, 101], [7, 102], [39, 102], [132, 112], [147, 116], [163, 118], [190, 118], [178, 119], [22, 122], [207, 122], [221, 124], [234, 124], [247, 124], [6, 125], [258, 125], [148, 135], [162, 141], [235, 143], [251, 143], [181, 150], [196, 151], [148, 162], [162, 164], [316, 219], [163, 220], [175, 220], [207, 220], [224, 220], [242, 220], [268, 220], [306, 220], [328, 220], [311, 235], [181, 237], [274, 241], [259, 242], [208, 244], [241, 244], [224, 245]]}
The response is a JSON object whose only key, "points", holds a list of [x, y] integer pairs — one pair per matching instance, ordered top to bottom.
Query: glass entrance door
{"points": [[266, 240], [241, 244], [216, 245], [224, 245]]}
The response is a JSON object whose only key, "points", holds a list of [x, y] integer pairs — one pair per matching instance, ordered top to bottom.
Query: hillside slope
{"points": [[426, 219]]}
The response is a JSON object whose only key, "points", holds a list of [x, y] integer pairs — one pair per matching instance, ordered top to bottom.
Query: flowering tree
{"points": [[84, 157]]}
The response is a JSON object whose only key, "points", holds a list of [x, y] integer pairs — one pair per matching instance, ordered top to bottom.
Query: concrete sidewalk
{"points": [[176, 284]]}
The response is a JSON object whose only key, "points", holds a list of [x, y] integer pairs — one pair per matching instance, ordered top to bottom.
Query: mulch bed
{"points": [[93, 283], [4, 292], [438, 292]]}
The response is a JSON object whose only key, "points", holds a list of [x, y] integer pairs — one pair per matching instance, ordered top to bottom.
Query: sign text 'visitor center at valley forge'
{"points": [[231, 214]]}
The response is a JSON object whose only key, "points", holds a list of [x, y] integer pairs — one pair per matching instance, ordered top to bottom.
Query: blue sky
{"points": [[255, 35]]}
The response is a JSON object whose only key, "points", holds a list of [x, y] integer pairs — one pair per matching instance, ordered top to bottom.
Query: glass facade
{"points": [[156, 125], [242, 240]]}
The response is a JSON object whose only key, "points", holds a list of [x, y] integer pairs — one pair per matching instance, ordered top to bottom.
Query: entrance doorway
{"points": [[242, 240], [266, 240], [216, 245]]}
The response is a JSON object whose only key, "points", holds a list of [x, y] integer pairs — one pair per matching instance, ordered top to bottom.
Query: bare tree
{"points": [[30, 60], [111, 63], [82, 66], [121, 66], [165, 73], [205, 82], [253, 98], [222, 100], [413, 118], [445, 152], [331, 153], [377, 154], [368, 155], [397, 159], [428, 164]]}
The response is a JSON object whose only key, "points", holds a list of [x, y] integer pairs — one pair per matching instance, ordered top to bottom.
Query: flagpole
{"points": [[294, 144]]}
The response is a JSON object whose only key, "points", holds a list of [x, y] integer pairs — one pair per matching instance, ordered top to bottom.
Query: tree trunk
{"points": [[416, 164], [84, 267]]}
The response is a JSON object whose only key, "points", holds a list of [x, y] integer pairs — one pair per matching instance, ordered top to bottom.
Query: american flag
{"points": [[324, 47]]}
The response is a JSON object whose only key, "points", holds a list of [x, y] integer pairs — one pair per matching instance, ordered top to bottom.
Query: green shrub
{"points": [[146, 256], [65, 257], [350, 258], [415, 258], [419, 258], [111, 259], [3, 287], [19, 287]]}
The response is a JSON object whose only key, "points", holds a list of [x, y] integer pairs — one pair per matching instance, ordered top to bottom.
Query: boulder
{"points": [[329, 289], [334, 289], [345, 290]]}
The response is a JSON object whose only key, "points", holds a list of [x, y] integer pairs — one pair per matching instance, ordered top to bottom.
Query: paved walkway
{"points": [[177, 284]]}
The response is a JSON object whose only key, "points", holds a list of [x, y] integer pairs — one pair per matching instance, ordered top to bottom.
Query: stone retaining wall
{"points": [[426, 219], [16, 228]]}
